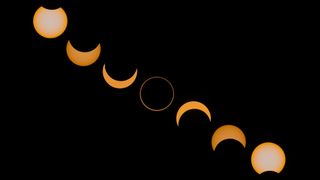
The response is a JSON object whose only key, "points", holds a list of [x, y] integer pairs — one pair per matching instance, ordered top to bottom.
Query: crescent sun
{"points": [[83, 58], [116, 83], [190, 106], [227, 132]]}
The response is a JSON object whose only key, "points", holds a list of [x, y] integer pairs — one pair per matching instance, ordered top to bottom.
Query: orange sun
{"points": [[50, 23], [268, 157]]}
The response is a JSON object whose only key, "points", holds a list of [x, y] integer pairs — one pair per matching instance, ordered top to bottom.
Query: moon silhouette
{"points": [[50, 23], [83, 58], [116, 83], [144, 83], [191, 105], [227, 132], [268, 157]]}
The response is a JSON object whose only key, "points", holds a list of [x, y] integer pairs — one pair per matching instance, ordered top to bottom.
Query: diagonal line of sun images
{"points": [[52, 23]]}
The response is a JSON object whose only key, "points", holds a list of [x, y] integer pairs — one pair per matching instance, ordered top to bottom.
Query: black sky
{"points": [[238, 59]]}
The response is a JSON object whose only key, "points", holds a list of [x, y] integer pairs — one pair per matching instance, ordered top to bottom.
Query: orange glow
{"points": [[50, 23], [83, 58], [118, 84], [190, 106], [228, 132], [268, 157]]}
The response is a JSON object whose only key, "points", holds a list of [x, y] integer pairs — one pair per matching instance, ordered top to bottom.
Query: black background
{"points": [[238, 59]]}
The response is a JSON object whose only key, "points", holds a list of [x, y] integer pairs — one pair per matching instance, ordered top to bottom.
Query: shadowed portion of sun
{"points": [[50, 23], [155, 78], [268, 157]]}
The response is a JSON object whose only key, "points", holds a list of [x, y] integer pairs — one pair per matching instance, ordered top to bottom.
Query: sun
{"points": [[50, 23], [83, 58], [268, 157]]}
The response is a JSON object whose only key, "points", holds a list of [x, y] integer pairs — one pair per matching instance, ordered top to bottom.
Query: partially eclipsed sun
{"points": [[50, 23], [81, 58], [116, 83], [191, 105], [227, 132], [268, 157]]}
